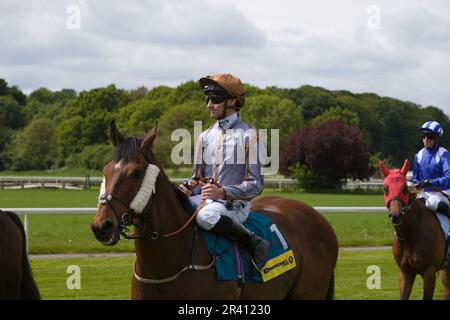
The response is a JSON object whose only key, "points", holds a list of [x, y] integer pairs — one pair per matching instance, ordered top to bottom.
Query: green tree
{"points": [[271, 112], [11, 113], [345, 115], [178, 117], [70, 138], [34, 147], [95, 157]]}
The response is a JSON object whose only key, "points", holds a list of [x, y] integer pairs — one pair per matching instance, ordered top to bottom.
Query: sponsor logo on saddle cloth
{"points": [[280, 258], [278, 265]]}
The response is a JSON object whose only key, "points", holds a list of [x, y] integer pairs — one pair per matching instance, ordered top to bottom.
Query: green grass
{"points": [[54, 173], [174, 173], [46, 198], [80, 198], [333, 200], [71, 233], [351, 277], [101, 278], [109, 278]]}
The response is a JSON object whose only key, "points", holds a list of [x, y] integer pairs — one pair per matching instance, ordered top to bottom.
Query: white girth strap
{"points": [[189, 267]]}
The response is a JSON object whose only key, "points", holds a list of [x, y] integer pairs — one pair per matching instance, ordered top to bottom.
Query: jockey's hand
{"points": [[422, 184], [185, 190], [212, 192]]}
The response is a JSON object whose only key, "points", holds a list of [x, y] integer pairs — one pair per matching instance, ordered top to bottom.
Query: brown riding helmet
{"points": [[231, 84]]}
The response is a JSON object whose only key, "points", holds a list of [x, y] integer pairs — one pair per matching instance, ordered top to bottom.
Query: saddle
{"points": [[234, 263]]}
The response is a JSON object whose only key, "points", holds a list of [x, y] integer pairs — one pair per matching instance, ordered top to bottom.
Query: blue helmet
{"points": [[432, 127]]}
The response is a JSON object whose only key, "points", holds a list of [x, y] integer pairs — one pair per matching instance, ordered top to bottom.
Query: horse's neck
{"points": [[410, 228], [165, 255]]}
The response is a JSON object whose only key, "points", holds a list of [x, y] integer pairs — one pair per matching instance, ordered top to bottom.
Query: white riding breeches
{"points": [[432, 199], [208, 216]]}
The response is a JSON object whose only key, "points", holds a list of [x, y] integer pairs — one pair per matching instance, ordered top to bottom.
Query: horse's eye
{"points": [[136, 175], [386, 189], [405, 189]]}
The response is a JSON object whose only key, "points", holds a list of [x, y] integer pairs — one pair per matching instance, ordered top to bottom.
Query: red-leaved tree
{"points": [[320, 156]]}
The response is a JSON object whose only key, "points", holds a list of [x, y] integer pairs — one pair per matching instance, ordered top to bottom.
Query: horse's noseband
{"points": [[405, 209], [126, 219]]}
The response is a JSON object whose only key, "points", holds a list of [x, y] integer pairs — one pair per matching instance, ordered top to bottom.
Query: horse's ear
{"points": [[114, 133], [147, 141], [405, 167], [383, 169]]}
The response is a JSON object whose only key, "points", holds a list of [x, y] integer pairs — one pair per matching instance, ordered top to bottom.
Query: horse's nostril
{"points": [[106, 227], [95, 229], [102, 230]]}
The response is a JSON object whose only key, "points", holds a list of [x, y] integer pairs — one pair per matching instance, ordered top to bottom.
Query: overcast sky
{"points": [[393, 48]]}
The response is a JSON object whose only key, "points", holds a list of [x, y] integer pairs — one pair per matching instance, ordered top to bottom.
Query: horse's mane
{"points": [[127, 149], [183, 200]]}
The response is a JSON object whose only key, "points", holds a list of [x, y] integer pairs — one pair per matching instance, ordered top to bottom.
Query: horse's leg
{"points": [[445, 279], [406, 281], [429, 283]]}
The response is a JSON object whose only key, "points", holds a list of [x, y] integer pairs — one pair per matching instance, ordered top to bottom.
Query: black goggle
{"points": [[215, 98], [429, 136]]}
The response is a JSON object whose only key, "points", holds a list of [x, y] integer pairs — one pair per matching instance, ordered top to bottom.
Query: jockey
{"points": [[432, 168], [235, 180]]}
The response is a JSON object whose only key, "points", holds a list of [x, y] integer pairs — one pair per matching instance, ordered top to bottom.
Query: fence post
{"points": [[25, 227]]}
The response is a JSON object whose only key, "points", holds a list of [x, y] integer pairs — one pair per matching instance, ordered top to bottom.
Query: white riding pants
{"points": [[432, 199], [208, 216]]}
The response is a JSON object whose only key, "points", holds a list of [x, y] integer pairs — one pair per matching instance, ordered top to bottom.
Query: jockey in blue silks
{"points": [[432, 168]]}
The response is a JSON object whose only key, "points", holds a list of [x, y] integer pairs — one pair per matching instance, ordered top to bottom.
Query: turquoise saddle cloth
{"points": [[224, 251]]}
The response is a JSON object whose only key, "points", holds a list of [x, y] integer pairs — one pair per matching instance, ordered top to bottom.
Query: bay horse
{"points": [[419, 246], [173, 262], [16, 279]]}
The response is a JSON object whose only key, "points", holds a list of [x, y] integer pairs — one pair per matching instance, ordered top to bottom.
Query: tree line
{"points": [[68, 129]]}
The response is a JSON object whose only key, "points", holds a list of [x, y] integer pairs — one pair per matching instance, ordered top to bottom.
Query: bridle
{"points": [[406, 208], [127, 218]]}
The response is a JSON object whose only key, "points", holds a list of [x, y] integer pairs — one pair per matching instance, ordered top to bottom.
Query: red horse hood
{"points": [[395, 183]]}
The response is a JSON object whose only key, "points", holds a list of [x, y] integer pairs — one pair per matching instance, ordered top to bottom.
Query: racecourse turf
{"points": [[71, 233], [110, 278]]}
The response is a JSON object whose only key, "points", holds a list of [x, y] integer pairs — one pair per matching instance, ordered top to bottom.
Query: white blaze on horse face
{"points": [[118, 165], [147, 189], [102, 190]]}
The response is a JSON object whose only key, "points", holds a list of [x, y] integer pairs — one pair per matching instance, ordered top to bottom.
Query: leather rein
{"points": [[128, 218]]}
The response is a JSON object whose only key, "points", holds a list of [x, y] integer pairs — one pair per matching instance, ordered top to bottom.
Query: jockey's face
{"points": [[216, 110], [429, 141]]}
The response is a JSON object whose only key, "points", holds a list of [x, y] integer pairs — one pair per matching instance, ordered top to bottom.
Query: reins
{"points": [[127, 219]]}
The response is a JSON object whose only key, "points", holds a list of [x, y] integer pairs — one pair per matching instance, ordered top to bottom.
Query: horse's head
{"points": [[129, 182], [396, 193]]}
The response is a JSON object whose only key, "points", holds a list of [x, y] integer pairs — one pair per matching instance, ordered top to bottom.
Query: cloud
{"points": [[180, 23], [169, 42]]}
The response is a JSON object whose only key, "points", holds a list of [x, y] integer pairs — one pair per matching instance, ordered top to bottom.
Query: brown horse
{"points": [[419, 246], [172, 262], [16, 280]]}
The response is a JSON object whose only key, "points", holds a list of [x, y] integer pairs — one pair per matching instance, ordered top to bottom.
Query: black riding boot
{"points": [[443, 208], [257, 246]]}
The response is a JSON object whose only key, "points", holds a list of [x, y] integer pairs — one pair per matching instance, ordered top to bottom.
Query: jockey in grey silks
{"points": [[227, 152]]}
